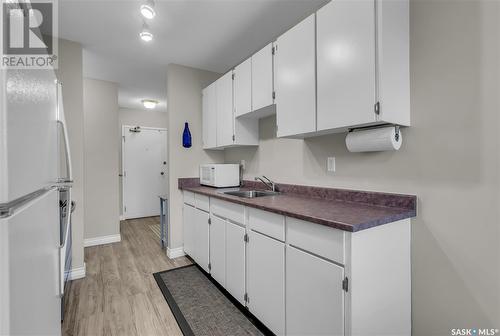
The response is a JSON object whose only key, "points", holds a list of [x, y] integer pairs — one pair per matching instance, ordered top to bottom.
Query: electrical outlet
{"points": [[330, 162]]}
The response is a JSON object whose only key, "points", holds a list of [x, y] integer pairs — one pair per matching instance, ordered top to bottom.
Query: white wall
{"points": [[70, 74], [184, 87], [100, 106], [135, 117], [145, 118], [449, 159]]}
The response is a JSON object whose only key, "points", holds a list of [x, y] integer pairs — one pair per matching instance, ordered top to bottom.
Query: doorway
{"points": [[144, 172]]}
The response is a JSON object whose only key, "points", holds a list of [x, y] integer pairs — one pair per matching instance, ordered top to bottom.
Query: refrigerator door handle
{"points": [[61, 119], [9, 209]]}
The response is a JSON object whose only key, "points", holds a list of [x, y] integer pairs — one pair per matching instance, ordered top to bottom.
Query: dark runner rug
{"points": [[202, 307]]}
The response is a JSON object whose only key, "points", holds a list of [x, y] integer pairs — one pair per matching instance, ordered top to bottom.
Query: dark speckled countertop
{"points": [[348, 210]]}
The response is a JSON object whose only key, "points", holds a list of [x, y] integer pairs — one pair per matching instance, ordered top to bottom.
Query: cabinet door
{"points": [[346, 64], [262, 78], [295, 79], [243, 88], [209, 116], [225, 117], [188, 224], [201, 238], [218, 250], [235, 261], [266, 281], [314, 295]]}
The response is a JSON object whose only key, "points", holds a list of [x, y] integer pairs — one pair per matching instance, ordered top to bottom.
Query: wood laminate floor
{"points": [[119, 295]]}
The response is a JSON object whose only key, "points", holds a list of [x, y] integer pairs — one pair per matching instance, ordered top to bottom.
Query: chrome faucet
{"points": [[268, 183]]}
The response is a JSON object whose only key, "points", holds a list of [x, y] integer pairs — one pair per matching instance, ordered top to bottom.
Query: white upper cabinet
{"points": [[393, 55], [346, 64], [362, 64], [344, 67], [262, 78], [295, 80], [243, 88], [221, 100], [224, 103], [209, 116]]}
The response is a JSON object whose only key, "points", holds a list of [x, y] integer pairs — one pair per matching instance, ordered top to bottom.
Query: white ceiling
{"points": [[206, 34]]}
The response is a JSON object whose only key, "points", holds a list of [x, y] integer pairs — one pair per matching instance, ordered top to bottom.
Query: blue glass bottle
{"points": [[186, 137]]}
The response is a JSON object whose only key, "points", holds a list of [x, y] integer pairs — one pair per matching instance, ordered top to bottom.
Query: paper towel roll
{"points": [[374, 140]]}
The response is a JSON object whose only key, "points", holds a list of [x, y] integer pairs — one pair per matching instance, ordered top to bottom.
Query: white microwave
{"points": [[220, 175]]}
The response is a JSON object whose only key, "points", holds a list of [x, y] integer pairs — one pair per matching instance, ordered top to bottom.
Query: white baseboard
{"points": [[122, 218], [102, 240], [175, 253], [77, 273]]}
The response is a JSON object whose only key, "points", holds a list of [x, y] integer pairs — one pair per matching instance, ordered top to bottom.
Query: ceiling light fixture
{"points": [[148, 9], [146, 34], [149, 103]]}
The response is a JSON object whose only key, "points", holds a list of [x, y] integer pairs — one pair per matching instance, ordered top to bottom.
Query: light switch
{"points": [[330, 162]]}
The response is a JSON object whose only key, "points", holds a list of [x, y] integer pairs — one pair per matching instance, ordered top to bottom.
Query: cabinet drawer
{"points": [[189, 198], [202, 202], [233, 212], [268, 223], [318, 239]]}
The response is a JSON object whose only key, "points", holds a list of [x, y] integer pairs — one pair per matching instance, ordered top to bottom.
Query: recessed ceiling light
{"points": [[148, 9], [146, 34], [149, 103]]}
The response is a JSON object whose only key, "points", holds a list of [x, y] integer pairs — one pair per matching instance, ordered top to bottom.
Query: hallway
{"points": [[119, 295]]}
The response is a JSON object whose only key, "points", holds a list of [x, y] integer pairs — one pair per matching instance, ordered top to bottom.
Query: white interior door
{"points": [[144, 171]]}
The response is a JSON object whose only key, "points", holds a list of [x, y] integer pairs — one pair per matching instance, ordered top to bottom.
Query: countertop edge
{"points": [[405, 213]]}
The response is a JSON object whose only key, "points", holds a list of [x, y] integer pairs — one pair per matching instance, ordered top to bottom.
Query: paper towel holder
{"points": [[396, 128]]}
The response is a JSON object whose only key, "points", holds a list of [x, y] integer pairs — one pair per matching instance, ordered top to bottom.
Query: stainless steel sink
{"points": [[251, 193]]}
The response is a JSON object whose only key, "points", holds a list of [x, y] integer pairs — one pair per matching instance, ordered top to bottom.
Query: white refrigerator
{"points": [[32, 133]]}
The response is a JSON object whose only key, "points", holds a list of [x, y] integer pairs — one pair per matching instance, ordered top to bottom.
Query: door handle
{"points": [[61, 119]]}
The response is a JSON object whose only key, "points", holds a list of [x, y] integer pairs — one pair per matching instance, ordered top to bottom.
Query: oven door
{"points": [[207, 175], [66, 208]]}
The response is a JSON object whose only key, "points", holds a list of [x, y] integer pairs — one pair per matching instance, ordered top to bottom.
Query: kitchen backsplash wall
{"points": [[449, 159]]}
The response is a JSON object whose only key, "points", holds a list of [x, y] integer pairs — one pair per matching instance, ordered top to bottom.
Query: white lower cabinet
{"points": [[188, 224], [201, 234], [218, 250], [235, 261], [303, 278], [266, 281], [314, 295]]}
